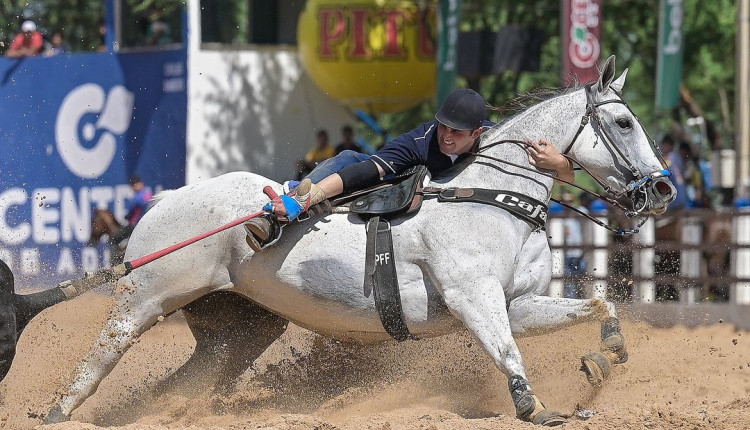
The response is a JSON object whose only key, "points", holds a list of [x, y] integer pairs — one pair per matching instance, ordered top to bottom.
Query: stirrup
{"points": [[259, 237]]}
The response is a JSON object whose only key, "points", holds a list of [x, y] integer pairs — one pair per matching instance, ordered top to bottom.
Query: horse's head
{"points": [[617, 149]]}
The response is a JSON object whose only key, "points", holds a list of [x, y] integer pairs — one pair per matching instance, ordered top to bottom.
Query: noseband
{"points": [[637, 187]]}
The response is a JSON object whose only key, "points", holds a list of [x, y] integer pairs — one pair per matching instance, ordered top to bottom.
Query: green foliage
{"points": [[165, 6], [629, 31]]}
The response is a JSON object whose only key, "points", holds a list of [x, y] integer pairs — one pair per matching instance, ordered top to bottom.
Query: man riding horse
{"points": [[438, 144]]}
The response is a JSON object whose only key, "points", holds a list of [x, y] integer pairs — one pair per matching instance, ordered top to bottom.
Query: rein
{"points": [[638, 185]]}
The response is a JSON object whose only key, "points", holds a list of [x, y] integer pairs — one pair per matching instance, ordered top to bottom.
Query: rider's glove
{"points": [[285, 206]]}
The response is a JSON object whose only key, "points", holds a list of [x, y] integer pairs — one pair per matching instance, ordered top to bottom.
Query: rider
{"points": [[438, 144]]}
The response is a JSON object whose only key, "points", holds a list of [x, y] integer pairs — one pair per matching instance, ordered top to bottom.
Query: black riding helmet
{"points": [[463, 109]]}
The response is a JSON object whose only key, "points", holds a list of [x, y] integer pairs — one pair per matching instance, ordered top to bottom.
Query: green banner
{"points": [[449, 20], [669, 55]]}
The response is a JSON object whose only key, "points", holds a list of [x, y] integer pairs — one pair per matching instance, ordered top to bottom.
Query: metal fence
{"points": [[690, 268]]}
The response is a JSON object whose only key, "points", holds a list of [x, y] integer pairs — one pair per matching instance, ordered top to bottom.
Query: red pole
{"points": [[138, 262]]}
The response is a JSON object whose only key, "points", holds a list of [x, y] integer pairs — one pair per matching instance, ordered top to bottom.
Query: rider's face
{"points": [[456, 142]]}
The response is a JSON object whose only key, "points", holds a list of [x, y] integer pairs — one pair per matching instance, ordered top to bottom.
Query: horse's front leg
{"points": [[480, 305], [532, 313]]}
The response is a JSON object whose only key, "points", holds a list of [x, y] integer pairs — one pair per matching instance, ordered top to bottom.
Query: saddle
{"points": [[399, 195]]}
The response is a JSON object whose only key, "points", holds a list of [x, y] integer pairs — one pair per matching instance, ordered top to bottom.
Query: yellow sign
{"points": [[375, 55]]}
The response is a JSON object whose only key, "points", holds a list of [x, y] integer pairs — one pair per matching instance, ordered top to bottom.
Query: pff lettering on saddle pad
{"points": [[524, 207], [381, 280]]}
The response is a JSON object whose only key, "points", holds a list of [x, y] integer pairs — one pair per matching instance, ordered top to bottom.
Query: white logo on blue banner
{"points": [[103, 117]]}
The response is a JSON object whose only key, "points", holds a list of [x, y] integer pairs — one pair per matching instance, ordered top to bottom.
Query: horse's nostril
{"points": [[663, 188]]}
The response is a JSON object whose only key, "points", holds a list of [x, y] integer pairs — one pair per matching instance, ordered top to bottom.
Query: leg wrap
{"points": [[610, 326], [613, 341], [523, 397]]}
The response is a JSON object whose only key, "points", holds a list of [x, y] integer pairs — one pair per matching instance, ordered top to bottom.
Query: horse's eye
{"points": [[624, 123]]}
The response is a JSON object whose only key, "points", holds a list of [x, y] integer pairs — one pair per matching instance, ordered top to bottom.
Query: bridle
{"points": [[636, 189]]}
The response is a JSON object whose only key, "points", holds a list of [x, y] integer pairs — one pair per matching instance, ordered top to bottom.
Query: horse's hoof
{"points": [[616, 345], [596, 366], [56, 416], [549, 418]]}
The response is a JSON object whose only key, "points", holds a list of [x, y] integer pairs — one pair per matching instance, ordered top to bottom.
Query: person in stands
{"points": [[29, 42]]}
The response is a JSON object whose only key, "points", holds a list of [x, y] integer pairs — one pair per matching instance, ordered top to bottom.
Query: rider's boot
{"points": [[265, 230], [262, 231]]}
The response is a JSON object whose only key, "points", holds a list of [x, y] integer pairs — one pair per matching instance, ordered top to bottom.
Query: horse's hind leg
{"points": [[541, 314], [127, 321], [230, 332]]}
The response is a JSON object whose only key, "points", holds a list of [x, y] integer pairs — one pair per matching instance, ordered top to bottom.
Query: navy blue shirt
{"points": [[417, 147]]}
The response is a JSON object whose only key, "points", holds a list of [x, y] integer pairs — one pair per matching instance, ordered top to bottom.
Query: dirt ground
{"points": [[675, 378]]}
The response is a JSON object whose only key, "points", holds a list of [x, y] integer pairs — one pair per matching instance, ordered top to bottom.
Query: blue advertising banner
{"points": [[73, 129]]}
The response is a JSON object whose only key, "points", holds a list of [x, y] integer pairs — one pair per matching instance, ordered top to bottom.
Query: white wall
{"points": [[253, 110]]}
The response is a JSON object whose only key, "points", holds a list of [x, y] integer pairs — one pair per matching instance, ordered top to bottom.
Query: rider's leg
{"points": [[334, 164]]}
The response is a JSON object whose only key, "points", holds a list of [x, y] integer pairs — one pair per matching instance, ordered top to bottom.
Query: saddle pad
{"points": [[398, 198]]}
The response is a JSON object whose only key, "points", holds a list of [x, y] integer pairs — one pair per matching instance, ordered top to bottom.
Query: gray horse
{"points": [[460, 266]]}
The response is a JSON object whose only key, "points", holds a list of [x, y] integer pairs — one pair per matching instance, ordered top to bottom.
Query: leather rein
{"points": [[638, 185]]}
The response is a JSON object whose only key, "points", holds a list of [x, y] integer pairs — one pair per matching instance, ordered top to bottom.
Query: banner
{"points": [[449, 19], [580, 40], [669, 54], [74, 128]]}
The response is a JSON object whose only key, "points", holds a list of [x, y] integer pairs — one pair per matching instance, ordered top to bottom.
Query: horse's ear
{"points": [[607, 75], [619, 82]]}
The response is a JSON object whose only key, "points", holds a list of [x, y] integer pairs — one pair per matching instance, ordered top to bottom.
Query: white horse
{"points": [[470, 265]]}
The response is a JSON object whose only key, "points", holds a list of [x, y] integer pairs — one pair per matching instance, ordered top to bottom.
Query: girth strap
{"points": [[524, 207], [381, 279]]}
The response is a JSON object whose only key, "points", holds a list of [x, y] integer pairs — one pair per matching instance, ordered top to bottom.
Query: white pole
{"points": [[556, 231], [600, 239], [690, 260], [741, 260], [643, 263]]}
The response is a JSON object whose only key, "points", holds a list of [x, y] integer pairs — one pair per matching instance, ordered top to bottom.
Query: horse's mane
{"points": [[523, 101]]}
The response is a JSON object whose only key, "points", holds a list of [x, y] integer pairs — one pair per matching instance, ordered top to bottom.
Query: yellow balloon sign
{"points": [[375, 55]]}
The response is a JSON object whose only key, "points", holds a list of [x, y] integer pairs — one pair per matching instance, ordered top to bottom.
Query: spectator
{"points": [[158, 31], [102, 37], [28, 43], [57, 45], [347, 141], [320, 152], [677, 168], [692, 176], [139, 203], [137, 207], [575, 261]]}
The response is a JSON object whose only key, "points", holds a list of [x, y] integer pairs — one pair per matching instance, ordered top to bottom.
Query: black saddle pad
{"points": [[397, 196]]}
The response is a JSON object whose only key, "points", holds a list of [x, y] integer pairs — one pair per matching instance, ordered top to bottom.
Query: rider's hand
{"points": [[544, 155]]}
